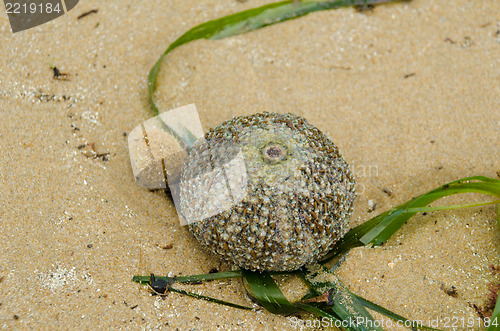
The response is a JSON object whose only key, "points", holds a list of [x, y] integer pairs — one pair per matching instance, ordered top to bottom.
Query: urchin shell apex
{"points": [[267, 192]]}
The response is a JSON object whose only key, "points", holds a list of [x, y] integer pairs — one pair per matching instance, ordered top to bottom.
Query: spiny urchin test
{"points": [[267, 192]]}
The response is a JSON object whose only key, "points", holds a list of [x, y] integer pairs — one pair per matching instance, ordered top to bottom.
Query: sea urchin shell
{"points": [[267, 192]]}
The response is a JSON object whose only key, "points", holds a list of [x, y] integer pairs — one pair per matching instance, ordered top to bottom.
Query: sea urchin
{"points": [[267, 192]]}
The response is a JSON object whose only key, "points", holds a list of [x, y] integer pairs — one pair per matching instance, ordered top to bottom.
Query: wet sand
{"points": [[410, 93]]}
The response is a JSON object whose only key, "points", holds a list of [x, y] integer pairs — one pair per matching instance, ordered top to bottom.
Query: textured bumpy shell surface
{"points": [[279, 213]]}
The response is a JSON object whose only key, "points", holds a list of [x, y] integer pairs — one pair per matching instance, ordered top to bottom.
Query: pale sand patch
{"points": [[409, 93]]}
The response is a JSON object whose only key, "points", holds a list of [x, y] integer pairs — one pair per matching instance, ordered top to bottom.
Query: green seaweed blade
{"points": [[247, 21], [239, 23], [379, 229], [265, 291], [344, 304]]}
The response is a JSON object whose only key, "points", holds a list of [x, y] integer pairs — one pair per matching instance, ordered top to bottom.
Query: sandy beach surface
{"points": [[409, 92]]}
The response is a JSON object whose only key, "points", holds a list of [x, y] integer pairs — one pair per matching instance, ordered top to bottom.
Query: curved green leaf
{"points": [[246, 21], [243, 22], [380, 228], [265, 291]]}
